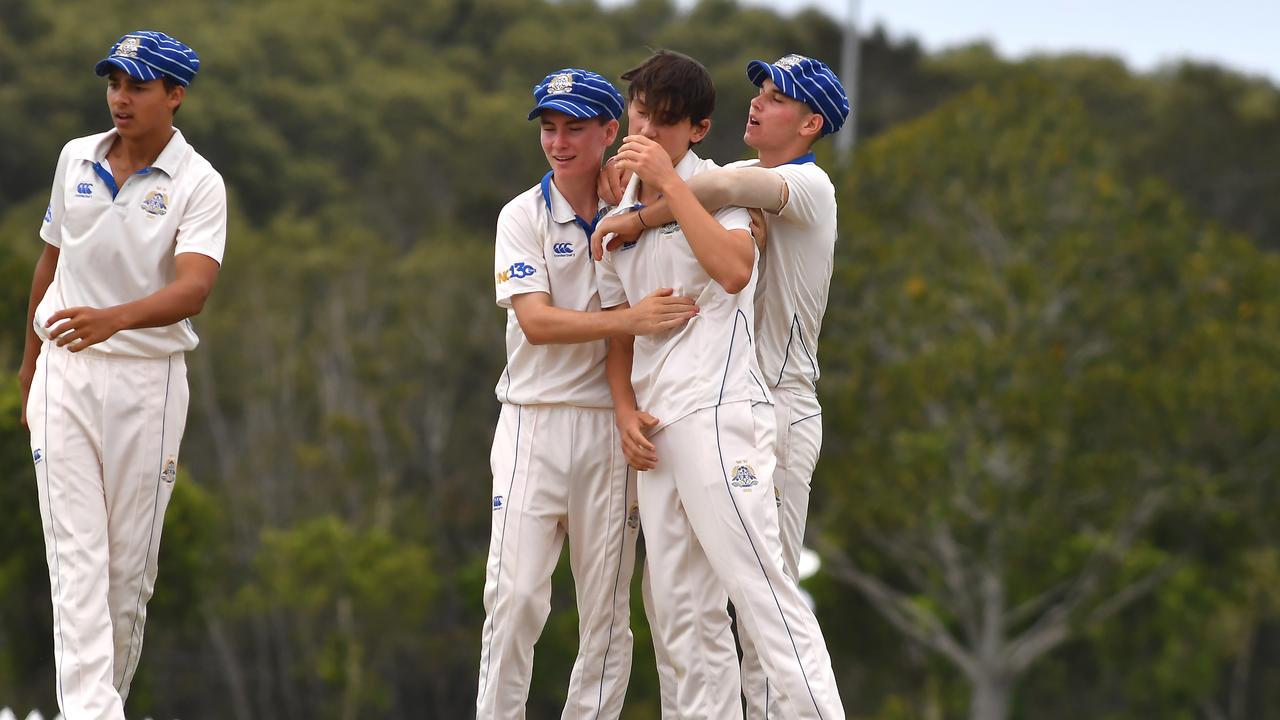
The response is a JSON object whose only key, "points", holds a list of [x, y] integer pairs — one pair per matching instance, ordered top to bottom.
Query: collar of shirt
{"points": [[808, 157], [169, 160], [559, 209]]}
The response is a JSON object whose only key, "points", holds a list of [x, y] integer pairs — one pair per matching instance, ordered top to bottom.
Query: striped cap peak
{"points": [[149, 55], [808, 80], [577, 93]]}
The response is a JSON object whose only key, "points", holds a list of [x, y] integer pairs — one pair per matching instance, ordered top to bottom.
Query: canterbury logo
{"points": [[84, 189], [563, 249]]}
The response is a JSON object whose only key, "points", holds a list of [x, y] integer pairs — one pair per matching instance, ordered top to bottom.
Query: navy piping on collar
{"points": [[805, 158], [110, 180], [587, 227]]}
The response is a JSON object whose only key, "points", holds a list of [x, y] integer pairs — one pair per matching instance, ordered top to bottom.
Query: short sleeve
{"points": [[808, 190], [733, 218], [203, 227], [51, 229], [519, 265], [609, 284]]}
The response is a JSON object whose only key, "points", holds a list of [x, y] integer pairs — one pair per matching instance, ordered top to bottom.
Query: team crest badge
{"points": [[129, 46], [787, 62], [560, 84], [156, 202], [669, 228], [170, 471], [743, 475], [777, 496], [633, 517]]}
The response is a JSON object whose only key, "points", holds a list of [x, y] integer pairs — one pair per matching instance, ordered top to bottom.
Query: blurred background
{"points": [[1051, 361]]}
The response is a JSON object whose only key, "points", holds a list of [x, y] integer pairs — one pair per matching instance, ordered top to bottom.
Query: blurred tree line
{"points": [[1051, 388]]}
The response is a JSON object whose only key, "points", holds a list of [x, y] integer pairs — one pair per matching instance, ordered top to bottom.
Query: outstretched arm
{"points": [[748, 187], [544, 323]]}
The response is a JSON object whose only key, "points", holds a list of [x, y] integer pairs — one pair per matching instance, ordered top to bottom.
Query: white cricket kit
{"points": [[790, 301], [106, 423], [558, 470], [708, 508]]}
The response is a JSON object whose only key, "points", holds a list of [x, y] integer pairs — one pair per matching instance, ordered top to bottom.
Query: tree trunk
{"points": [[991, 695]]}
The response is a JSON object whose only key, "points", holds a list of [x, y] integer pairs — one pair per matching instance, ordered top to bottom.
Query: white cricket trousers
{"points": [[105, 433], [799, 434], [558, 471], [711, 534]]}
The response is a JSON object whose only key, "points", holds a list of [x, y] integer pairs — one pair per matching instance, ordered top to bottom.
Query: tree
{"points": [[1036, 366]]}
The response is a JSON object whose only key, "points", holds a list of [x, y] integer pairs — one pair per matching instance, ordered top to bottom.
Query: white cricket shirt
{"points": [[119, 246], [542, 246], [795, 277], [711, 360]]}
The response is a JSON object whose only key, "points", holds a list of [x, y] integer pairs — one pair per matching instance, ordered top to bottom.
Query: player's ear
{"points": [[175, 95], [812, 126], [700, 130], [610, 132]]}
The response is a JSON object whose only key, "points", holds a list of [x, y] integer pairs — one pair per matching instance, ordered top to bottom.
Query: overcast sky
{"points": [[1243, 34]]}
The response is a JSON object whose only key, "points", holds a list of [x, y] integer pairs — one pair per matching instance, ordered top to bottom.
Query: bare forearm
{"points": [[748, 187], [41, 279], [173, 303], [548, 324], [617, 369]]}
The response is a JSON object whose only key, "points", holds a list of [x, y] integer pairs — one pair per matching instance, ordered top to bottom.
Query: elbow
{"points": [[736, 280], [536, 333]]}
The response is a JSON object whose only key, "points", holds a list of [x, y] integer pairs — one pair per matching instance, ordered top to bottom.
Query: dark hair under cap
{"points": [[673, 87]]}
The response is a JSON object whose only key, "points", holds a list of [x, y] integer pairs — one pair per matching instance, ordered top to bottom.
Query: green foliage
{"points": [[1032, 329]]}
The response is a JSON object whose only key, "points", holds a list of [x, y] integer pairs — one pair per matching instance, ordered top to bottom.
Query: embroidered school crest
{"points": [[129, 46], [787, 62], [560, 84], [156, 202], [669, 228], [170, 471], [743, 475], [777, 496], [633, 517]]}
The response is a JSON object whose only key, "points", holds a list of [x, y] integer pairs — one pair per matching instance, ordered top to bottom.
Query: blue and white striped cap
{"points": [[148, 55], [809, 81], [577, 93]]}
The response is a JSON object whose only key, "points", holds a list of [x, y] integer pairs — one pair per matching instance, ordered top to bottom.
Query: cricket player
{"points": [[800, 101], [134, 236], [696, 419], [557, 464]]}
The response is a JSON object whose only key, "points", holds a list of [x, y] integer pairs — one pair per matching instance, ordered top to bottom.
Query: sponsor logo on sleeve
{"points": [[48, 214], [515, 272]]}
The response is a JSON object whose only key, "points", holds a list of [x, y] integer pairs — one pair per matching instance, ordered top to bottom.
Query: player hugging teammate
{"points": [[714, 405]]}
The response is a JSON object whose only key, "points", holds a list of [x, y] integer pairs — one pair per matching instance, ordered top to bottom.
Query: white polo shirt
{"points": [[542, 246], [117, 247], [795, 277], [711, 360]]}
